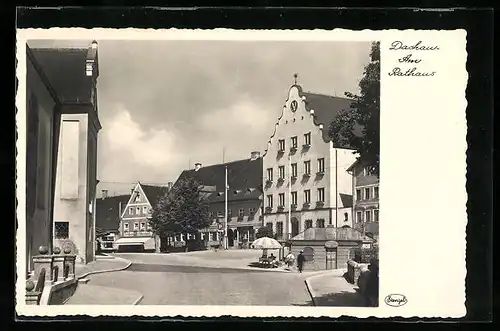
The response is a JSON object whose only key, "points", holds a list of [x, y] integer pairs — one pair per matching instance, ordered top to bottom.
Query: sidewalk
{"points": [[102, 264], [332, 290], [103, 295]]}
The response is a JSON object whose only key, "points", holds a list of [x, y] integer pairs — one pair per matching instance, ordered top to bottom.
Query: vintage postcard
{"points": [[272, 173]]}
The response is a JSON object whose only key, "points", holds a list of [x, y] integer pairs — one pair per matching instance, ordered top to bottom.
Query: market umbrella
{"points": [[266, 243]]}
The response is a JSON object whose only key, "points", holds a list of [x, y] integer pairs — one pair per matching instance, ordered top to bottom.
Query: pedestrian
{"points": [[290, 258], [300, 261]]}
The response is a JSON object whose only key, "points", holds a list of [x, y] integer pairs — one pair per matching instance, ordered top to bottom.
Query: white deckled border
{"points": [[423, 174]]}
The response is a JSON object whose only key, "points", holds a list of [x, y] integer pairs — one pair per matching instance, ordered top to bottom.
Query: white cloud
{"points": [[129, 152]]}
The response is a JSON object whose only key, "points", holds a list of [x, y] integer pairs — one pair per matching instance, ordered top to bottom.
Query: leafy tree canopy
{"points": [[365, 113], [181, 210], [264, 232]]}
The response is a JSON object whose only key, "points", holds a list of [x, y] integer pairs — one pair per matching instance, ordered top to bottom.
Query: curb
{"points": [[129, 263], [311, 291], [139, 299]]}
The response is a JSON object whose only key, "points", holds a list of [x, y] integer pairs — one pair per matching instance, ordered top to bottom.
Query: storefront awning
{"points": [[132, 241]]}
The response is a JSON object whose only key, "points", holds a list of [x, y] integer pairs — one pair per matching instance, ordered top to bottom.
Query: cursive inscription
{"points": [[399, 45], [411, 59], [395, 300]]}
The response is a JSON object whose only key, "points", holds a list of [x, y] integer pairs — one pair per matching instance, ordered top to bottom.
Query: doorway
{"points": [[295, 227], [230, 238]]}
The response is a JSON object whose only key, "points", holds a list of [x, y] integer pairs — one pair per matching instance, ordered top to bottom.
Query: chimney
{"points": [[254, 155], [197, 166], [104, 194]]}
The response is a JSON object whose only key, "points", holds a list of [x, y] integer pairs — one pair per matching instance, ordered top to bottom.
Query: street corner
{"points": [[102, 266]]}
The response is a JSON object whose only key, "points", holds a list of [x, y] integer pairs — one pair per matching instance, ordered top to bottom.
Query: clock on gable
{"points": [[294, 105]]}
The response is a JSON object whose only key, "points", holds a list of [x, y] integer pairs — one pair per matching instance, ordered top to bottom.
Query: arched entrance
{"points": [[295, 227], [230, 238]]}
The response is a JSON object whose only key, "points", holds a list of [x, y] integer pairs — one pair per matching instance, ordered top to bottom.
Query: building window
{"points": [[307, 139], [294, 142], [281, 146], [321, 165], [307, 167], [294, 169], [282, 172], [270, 174], [375, 192], [367, 193], [321, 194], [358, 195], [307, 196], [138, 197], [294, 198], [281, 199], [270, 201], [145, 209], [138, 210], [131, 211], [251, 211], [241, 212], [229, 213], [211, 214], [219, 214], [375, 215], [368, 216], [346, 217], [359, 217], [320, 223], [309, 224], [269, 225], [136, 226], [143, 226], [125, 227], [279, 228], [61, 230]]}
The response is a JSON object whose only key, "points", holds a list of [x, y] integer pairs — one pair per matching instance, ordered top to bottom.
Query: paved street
{"points": [[206, 278]]}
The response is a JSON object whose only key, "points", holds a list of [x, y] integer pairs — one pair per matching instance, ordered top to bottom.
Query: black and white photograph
{"points": [[210, 172]]}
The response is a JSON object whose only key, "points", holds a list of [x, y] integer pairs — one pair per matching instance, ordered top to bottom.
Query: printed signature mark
{"points": [[395, 300]]}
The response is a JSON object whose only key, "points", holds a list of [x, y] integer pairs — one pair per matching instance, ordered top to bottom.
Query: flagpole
{"points": [[289, 196], [225, 199]]}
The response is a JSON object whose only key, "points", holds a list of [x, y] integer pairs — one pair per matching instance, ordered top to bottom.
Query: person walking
{"points": [[290, 258], [300, 261]]}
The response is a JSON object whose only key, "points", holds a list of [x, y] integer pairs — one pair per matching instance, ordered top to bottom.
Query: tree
{"points": [[364, 112], [181, 210], [264, 232]]}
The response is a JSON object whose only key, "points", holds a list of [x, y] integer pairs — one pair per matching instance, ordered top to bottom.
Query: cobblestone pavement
{"points": [[183, 285], [332, 289], [100, 295]]}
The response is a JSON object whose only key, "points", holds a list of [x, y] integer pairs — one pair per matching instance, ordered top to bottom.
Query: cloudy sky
{"points": [[164, 105]]}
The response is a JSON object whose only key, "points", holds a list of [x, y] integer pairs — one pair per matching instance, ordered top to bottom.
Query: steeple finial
{"points": [[295, 75]]}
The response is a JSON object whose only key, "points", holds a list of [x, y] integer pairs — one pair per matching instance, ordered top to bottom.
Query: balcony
{"points": [[306, 146], [293, 149], [281, 151], [320, 173], [307, 175], [294, 177], [281, 180], [269, 181], [320, 204], [306, 205], [293, 206], [281, 209], [268, 210]]}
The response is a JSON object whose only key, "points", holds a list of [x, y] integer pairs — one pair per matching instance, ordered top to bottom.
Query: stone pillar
{"points": [[43, 261], [69, 263], [59, 264], [32, 297]]}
